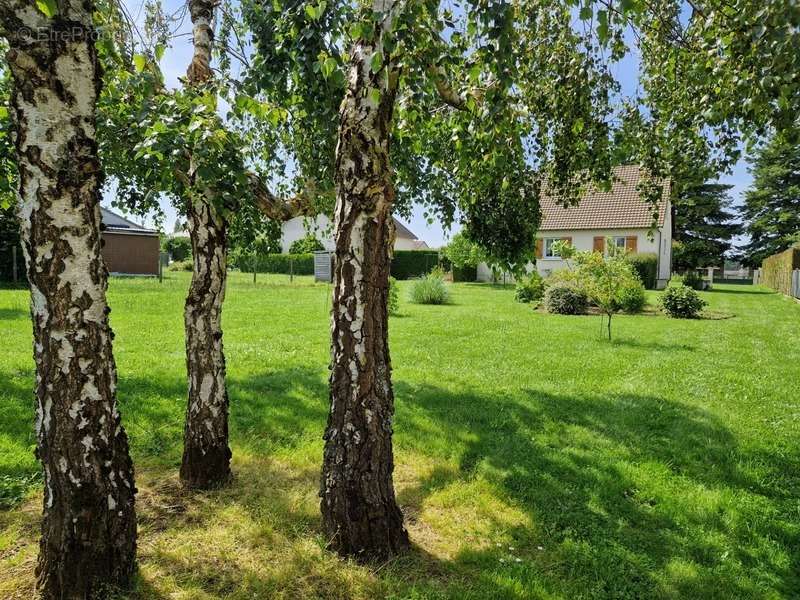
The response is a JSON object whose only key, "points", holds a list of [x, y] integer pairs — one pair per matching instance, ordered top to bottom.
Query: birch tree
{"points": [[483, 104], [174, 143], [206, 453], [88, 541]]}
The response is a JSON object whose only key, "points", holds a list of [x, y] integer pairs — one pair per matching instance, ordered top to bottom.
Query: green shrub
{"points": [[306, 245], [178, 248], [297, 264], [408, 264], [181, 265], [646, 267], [465, 273], [566, 276], [693, 280], [530, 288], [430, 289], [631, 297], [563, 298], [393, 302], [681, 302]]}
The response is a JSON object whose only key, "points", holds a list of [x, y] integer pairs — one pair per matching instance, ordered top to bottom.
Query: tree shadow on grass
{"points": [[751, 291], [14, 314], [660, 346], [626, 495], [629, 496]]}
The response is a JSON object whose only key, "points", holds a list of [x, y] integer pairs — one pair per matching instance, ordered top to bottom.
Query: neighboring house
{"points": [[619, 215], [322, 228], [128, 248]]}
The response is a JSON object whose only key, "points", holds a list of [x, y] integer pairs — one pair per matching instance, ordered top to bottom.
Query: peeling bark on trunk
{"points": [[206, 455], [360, 514], [88, 541]]}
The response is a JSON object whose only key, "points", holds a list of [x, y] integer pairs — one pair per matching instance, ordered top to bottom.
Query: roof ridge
{"points": [[132, 224]]}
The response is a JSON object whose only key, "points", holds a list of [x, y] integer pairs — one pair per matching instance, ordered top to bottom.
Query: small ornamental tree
{"points": [[463, 252], [464, 256], [610, 281]]}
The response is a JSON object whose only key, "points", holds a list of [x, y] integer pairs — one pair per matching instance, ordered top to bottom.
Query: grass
{"points": [[533, 458]]}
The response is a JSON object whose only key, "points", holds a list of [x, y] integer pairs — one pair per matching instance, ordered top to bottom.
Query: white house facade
{"points": [[619, 216], [322, 228]]}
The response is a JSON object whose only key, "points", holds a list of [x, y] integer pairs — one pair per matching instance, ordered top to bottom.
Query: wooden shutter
{"points": [[539, 243], [630, 243], [599, 244]]}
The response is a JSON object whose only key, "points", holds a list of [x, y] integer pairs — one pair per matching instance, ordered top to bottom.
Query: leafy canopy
{"points": [[497, 100]]}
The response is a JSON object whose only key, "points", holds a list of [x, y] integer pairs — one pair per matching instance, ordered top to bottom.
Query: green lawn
{"points": [[534, 459]]}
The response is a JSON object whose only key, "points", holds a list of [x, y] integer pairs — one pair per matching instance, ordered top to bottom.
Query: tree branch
{"points": [[445, 90], [278, 209]]}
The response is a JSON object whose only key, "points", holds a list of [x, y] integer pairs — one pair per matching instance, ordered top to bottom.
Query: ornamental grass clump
{"points": [[430, 289]]}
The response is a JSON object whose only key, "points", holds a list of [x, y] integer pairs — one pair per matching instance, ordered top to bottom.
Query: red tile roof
{"points": [[621, 207]]}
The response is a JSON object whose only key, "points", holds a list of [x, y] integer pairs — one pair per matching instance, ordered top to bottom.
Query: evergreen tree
{"points": [[771, 210], [703, 225]]}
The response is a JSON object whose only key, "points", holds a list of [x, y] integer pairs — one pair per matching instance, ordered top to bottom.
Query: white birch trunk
{"points": [[360, 513], [89, 527]]}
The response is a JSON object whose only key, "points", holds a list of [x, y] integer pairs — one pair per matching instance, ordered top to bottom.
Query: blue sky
{"points": [[176, 58]]}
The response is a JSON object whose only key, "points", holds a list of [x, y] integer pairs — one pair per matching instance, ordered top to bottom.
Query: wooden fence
{"points": [[794, 282]]}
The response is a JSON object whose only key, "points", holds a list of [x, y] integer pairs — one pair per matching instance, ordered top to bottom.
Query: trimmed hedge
{"points": [[300, 264], [407, 264], [646, 267], [776, 270]]}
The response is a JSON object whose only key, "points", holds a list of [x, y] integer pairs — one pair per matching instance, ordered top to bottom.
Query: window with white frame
{"points": [[619, 241], [549, 251]]}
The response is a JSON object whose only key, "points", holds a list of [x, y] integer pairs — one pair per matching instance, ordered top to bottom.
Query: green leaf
{"points": [[48, 7], [586, 12], [602, 26], [356, 31], [159, 51], [376, 61], [139, 62], [328, 66], [375, 95], [3, 112]]}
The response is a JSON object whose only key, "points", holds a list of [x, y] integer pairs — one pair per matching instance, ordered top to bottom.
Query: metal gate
{"points": [[323, 266]]}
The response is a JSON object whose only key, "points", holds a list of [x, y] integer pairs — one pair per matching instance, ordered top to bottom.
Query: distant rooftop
{"points": [[621, 207], [117, 223], [402, 231]]}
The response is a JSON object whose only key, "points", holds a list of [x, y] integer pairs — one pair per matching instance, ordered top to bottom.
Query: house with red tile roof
{"points": [[619, 216]]}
